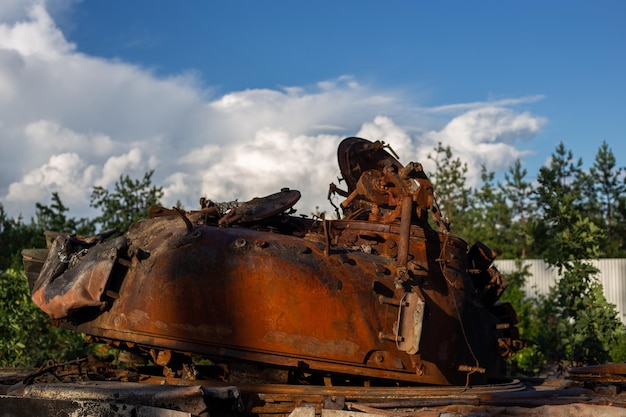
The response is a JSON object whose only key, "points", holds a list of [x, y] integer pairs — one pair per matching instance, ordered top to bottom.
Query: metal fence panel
{"points": [[612, 276]]}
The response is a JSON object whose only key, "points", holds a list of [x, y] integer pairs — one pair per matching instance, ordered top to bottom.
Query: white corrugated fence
{"points": [[612, 275]]}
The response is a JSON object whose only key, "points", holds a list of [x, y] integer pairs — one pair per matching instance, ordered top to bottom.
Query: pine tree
{"points": [[606, 182], [449, 184], [517, 192], [129, 202], [54, 218], [584, 323]]}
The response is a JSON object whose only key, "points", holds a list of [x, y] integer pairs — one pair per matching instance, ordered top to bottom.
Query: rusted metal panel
{"points": [[61, 289], [376, 294], [282, 301]]}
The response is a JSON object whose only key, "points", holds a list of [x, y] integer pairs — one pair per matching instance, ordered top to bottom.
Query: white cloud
{"points": [[19, 10], [38, 35], [460, 107], [69, 121], [490, 125], [384, 128], [48, 136], [485, 136], [202, 156], [273, 160], [116, 166], [65, 173], [175, 188]]}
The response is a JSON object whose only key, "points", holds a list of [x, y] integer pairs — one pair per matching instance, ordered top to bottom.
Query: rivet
{"points": [[260, 243]]}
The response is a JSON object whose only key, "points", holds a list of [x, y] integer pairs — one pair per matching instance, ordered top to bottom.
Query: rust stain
{"points": [[312, 344]]}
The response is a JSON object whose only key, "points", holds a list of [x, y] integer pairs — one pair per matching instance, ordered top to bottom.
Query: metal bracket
{"points": [[409, 325]]}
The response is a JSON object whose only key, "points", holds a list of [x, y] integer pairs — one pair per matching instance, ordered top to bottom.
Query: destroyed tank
{"points": [[381, 294]]}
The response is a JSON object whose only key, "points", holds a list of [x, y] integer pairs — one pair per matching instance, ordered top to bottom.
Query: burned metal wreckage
{"points": [[378, 294], [383, 296]]}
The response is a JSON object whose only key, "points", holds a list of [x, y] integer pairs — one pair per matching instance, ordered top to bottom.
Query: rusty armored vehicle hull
{"points": [[383, 294]]}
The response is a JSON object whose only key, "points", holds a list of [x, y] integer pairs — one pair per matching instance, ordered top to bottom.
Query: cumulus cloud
{"points": [[36, 36], [69, 122], [486, 136], [49, 137], [272, 160], [116, 166], [66, 172]]}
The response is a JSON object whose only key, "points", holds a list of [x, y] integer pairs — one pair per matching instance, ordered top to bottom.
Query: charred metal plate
{"points": [[356, 155], [263, 207], [260, 208], [59, 290], [410, 318], [613, 372]]}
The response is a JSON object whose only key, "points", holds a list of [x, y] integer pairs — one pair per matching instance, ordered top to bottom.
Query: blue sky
{"points": [[210, 93]]}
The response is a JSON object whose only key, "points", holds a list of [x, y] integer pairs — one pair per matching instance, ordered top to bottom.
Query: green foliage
{"points": [[449, 182], [606, 183], [516, 192], [129, 202], [487, 217], [53, 218], [566, 218], [619, 228], [15, 235], [515, 294], [584, 324], [588, 324], [27, 338], [617, 349], [530, 360]]}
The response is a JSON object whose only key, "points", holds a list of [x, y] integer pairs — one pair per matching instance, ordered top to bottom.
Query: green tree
{"points": [[449, 181], [606, 185], [517, 193], [557, 198], [129, 202], [53, 217], [487, 217], [619, 228], [15, 235], [584, 323], [27, 337], [530, 360]]}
